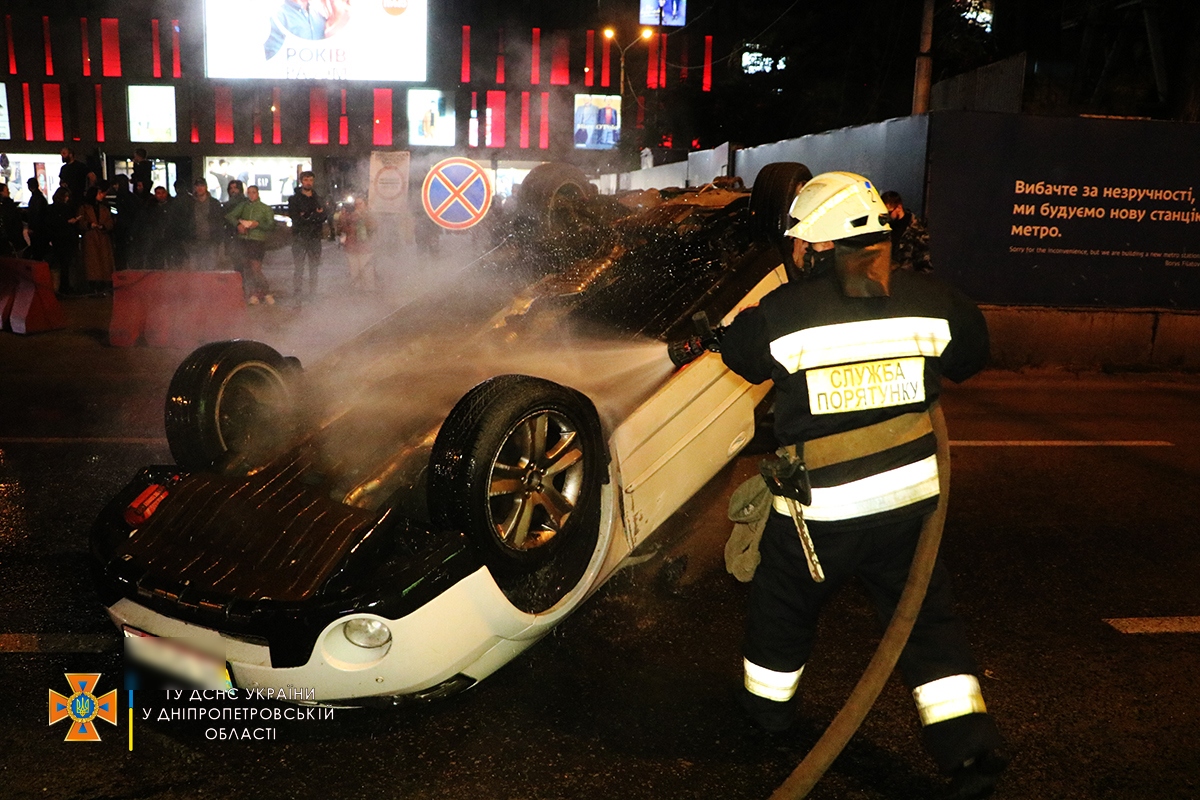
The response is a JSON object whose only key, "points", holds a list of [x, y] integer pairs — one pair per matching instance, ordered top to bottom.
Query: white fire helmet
{"points": [[837, 205]]}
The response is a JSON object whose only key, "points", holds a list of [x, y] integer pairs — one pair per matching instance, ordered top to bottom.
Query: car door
{"points": [[685, 433]]}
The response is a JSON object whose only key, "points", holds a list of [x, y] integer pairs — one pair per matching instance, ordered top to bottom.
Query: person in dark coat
{"points": [[143, 172], [74, 175], [37, 217], [95, 222], [206, 228], [12, 229], [64, 239], [856, 354]]}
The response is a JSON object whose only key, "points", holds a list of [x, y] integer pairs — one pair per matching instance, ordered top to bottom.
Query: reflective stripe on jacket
{"points": [[847, 371]]}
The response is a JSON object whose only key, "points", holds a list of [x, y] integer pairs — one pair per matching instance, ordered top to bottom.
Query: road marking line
{"points": [[82, 440], [1059, 443], [1156, 624], [58, 643]]}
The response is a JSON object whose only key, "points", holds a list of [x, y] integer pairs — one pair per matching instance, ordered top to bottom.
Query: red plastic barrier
{"points": [[27, 300], [175, 309]]}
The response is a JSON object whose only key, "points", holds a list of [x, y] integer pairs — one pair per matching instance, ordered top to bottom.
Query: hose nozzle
{"points": [[706, 339]]}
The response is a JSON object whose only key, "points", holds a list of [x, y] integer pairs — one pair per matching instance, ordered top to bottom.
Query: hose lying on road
{"points": [[831, 743]]}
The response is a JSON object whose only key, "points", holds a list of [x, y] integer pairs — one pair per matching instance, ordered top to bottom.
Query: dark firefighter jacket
{"points": [[865, 366]]}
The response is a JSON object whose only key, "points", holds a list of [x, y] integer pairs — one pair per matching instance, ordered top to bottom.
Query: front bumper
{"points": [[458, 637]]}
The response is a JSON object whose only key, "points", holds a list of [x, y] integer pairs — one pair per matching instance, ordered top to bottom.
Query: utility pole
{"points": [[924, 75]]}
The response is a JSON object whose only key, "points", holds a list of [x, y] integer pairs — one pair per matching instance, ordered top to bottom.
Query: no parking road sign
{"points": [[457, 193]]}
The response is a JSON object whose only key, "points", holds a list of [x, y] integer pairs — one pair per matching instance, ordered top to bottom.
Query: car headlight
{"points": [[367, 633]]}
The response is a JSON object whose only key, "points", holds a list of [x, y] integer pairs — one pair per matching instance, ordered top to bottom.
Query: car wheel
{"points": [[552, 195], [770, 201], [230, 403], [517, 466]]}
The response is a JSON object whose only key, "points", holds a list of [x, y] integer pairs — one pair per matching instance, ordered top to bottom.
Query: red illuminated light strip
{"points": [[46, 40], [110, 48], [155, 50], [12, 53], [87, 53], [500, 56], [535, 59], [560, 60], [589, 60], [662, 61], [604, 62], [652, 64], [176, 71], [465, 76], [707, 83], [52, 107], [28, 112], [99, 114], [318, 116], [276, 118], [524, 119], [343, 123], [544, 123], [223, 127], [496, 130], [382, 133]]}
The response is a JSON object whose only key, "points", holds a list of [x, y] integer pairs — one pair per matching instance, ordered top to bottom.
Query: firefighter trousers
{"points": [[785, 603]]}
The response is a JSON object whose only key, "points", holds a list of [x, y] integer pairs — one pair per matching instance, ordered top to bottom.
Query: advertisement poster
{"points": [[663, 12], [364, 40], [152, 114], [430, 118], [597, 121], [5, 130], [17, 168], [276, 176], [389, 182], [1066, 211]]}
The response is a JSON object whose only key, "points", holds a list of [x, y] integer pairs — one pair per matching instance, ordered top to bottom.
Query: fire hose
{"points": [[862, 698], [836, 736]]}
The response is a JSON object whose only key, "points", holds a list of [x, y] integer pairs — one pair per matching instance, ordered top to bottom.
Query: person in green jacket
{"points": [[254, 220]]}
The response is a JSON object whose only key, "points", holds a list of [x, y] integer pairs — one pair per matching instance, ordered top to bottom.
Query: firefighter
{"points": [[857, 353]]}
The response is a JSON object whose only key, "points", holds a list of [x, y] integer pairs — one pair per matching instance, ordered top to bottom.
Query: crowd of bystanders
{"points": [[91, 227]]}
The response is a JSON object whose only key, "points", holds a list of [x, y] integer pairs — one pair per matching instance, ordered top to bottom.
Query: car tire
{"points": [[550, 196], [771, 197], [230, 403], [518, 466]]}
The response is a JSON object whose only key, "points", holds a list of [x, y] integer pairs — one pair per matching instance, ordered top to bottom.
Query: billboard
{"points": [[662, 12], [367, 40], [152, 114], [430, 118], [597, 121], [5, 131], [17, 168], [275, 176], [1065, 211]]}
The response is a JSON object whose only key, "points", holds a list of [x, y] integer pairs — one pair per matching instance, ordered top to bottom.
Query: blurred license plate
{"points": [[175, 658]]}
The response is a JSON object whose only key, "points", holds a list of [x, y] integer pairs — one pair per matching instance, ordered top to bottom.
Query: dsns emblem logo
{"points": [[83, 707]]}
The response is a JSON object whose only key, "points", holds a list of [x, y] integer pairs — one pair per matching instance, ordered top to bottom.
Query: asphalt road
{"points": [[1073, 503]]}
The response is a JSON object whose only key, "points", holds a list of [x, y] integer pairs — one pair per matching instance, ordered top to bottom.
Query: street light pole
{"points": [[611, 34]]}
